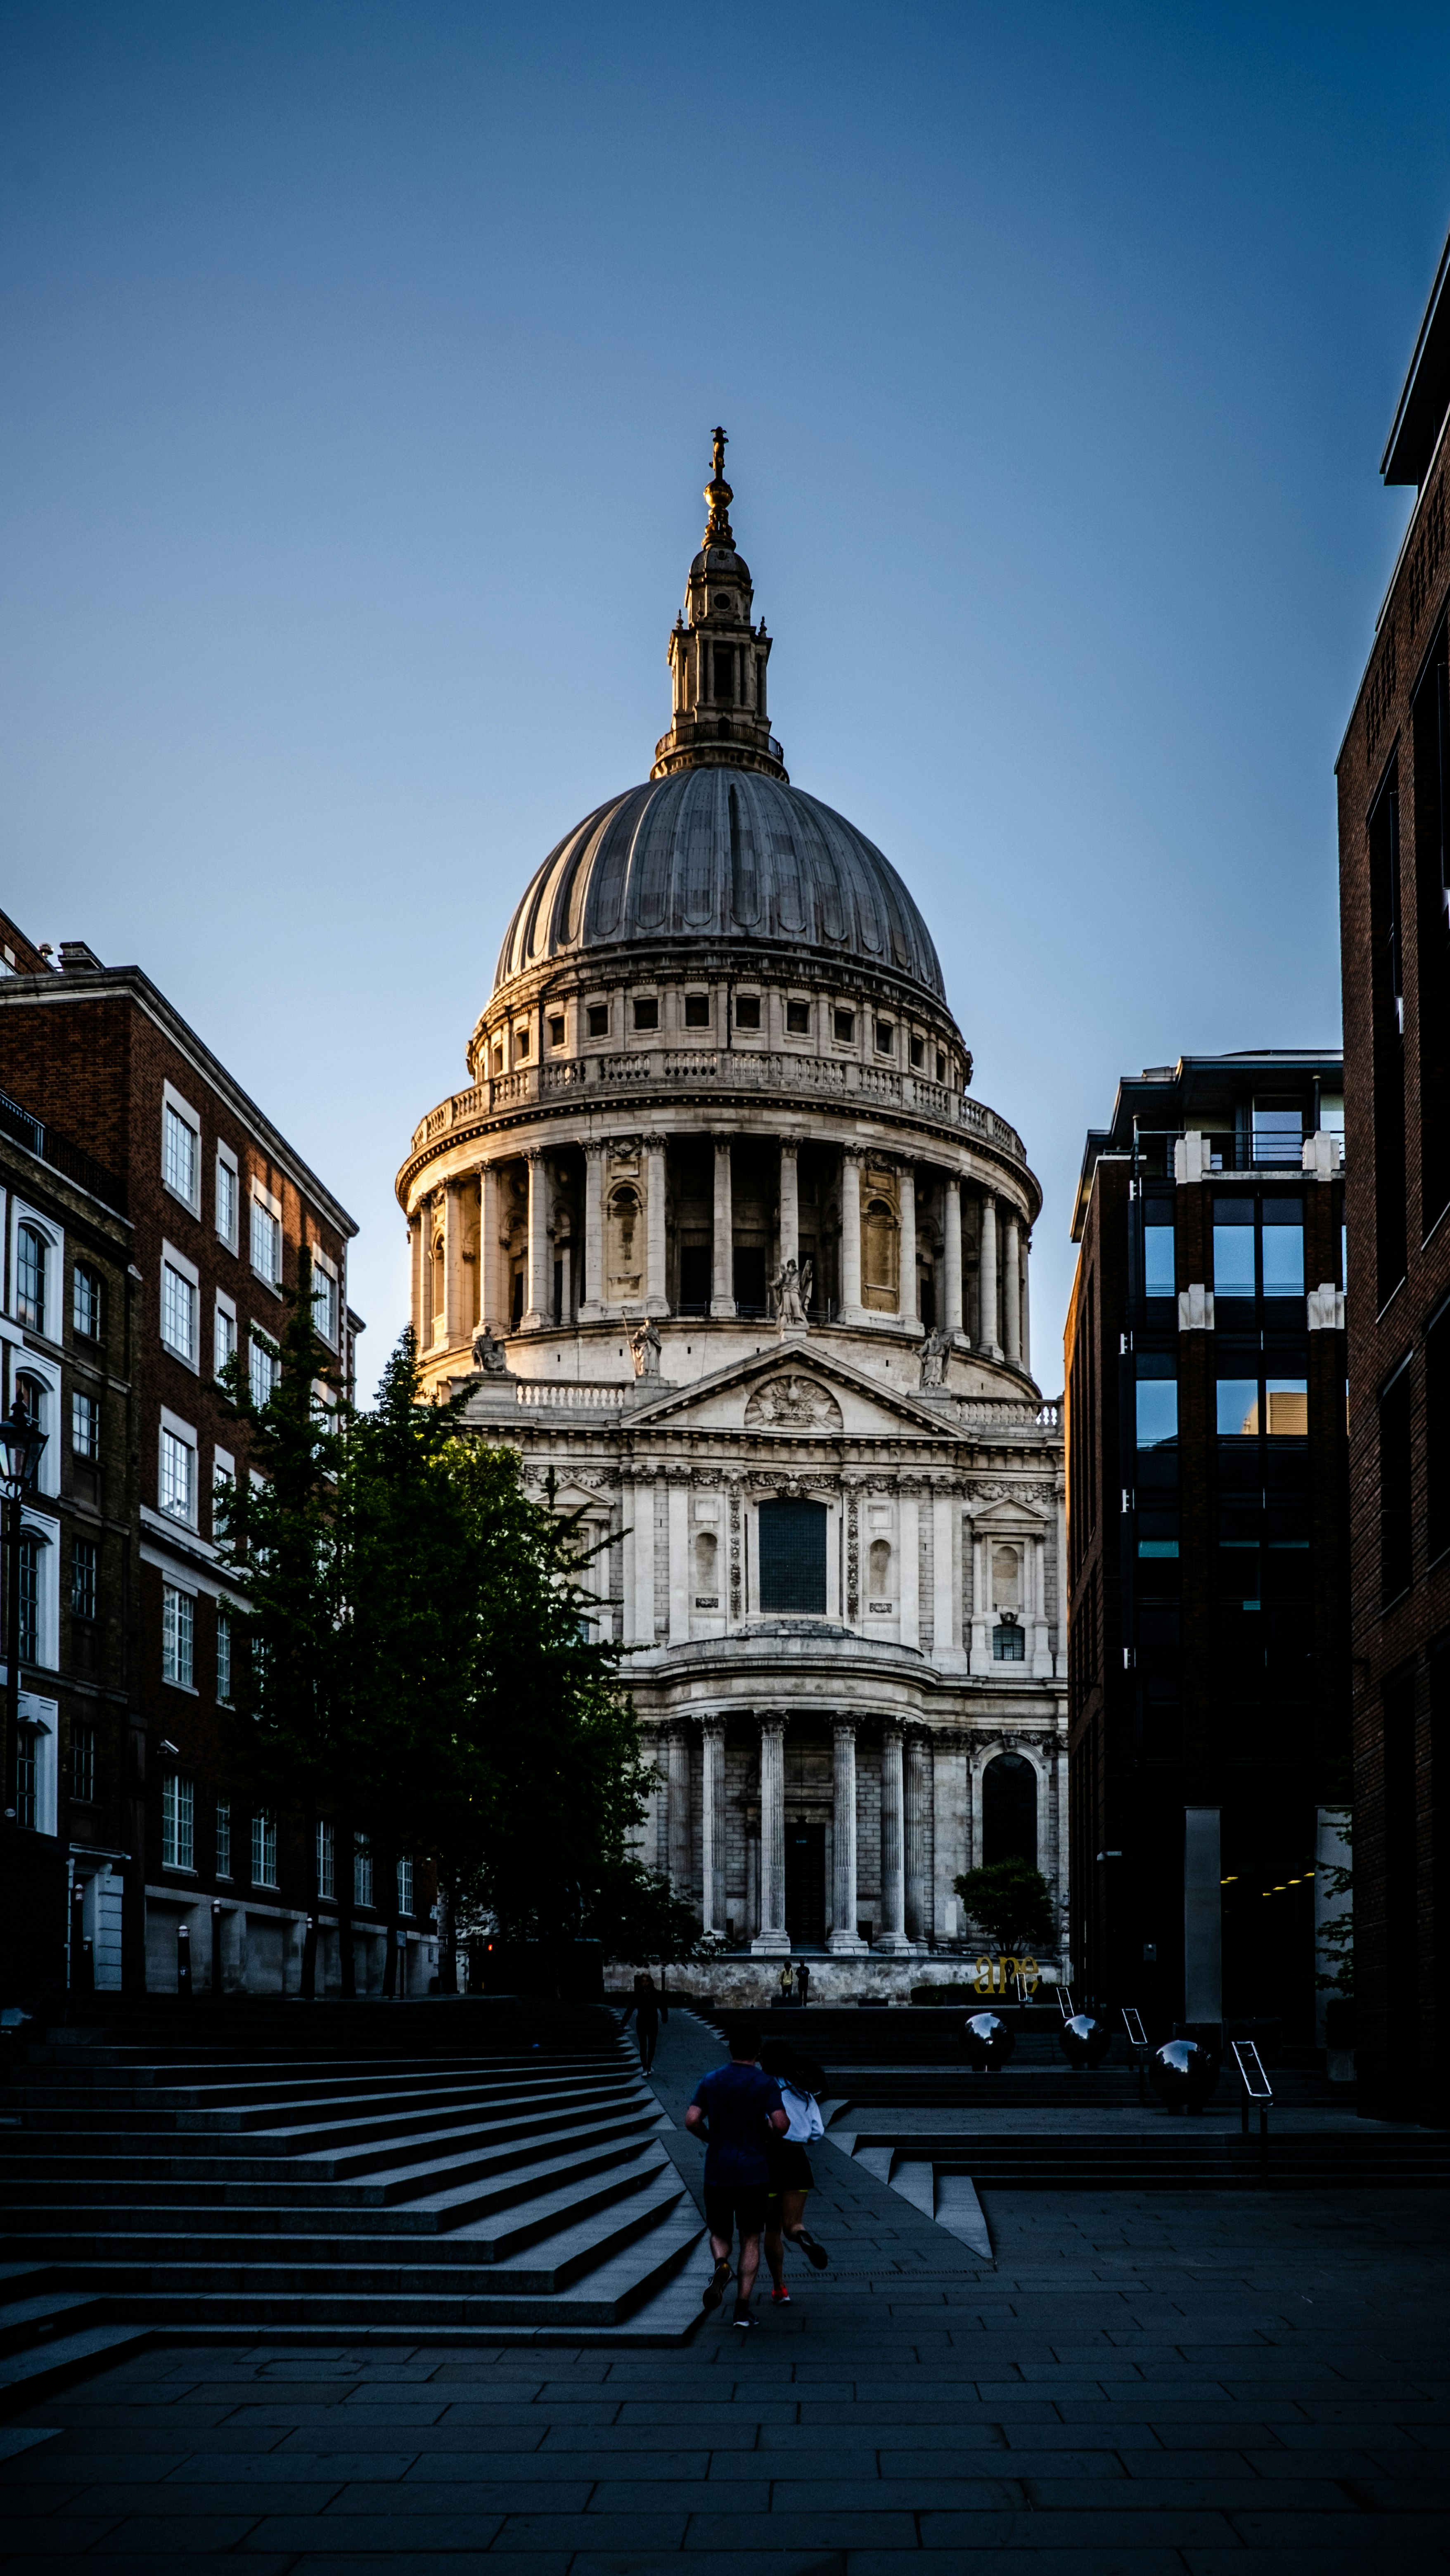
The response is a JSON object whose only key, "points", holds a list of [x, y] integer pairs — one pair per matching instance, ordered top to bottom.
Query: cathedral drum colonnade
{"points": [[719, 1236]]}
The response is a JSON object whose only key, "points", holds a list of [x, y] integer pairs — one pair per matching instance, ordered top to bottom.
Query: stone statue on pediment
{"points": [[791, 1289], [646, 1348], [489, 1356], [934, 1358]]}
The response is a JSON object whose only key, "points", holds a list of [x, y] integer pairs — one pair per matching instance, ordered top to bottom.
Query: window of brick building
{"points": [[1387, 995], [180, 1155], [228, 1197], [267, 1242], [30, 1281], [180, 1300], [86, 1302], [263, 1369], [85, 1425], [176, 1482], [1396, 1514], [84, 1555], [178, 1636], [223, 1656], [83, 1763], [178, 1811], [224, 1838], [264, 1849], [325, 1885]]}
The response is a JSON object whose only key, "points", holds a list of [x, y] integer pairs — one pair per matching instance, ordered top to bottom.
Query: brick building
{"points": [[1394, 871], [219, 1206], [66, 1333], [1207, 1540]]}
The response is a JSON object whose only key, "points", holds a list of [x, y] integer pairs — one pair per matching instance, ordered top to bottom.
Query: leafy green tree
{"points": [[282, 1554], [1011, 1903], [636, 1915], [1336, 1932]]}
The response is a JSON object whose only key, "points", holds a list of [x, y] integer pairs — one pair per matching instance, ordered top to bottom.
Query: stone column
{"points": [[789, 1202], [952, 1226], [418, 1259], [722, 1262], [591, 1286], [987, 1288], [1011, 1289], [457, 1297], [906, 1297], [655, 1300], [490, 1303], [537, 1310], [852, 1311], [1026, 1319], [678, 1526], [644, 1563], [908, 1588], [946, 1616], [1041, 1640], [981, 1656], [712, 1825], [680, 1838], [918, 1892], [892, 1936], [772, 1940], [844, 1941]]}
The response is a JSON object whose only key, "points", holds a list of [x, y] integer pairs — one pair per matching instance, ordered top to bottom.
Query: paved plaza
{"points": [[1140, 2382]]}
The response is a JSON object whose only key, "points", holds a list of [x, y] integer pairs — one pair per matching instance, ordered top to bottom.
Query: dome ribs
{"points": [[720, 853]]}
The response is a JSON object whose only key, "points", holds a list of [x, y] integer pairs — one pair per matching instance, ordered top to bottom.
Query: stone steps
{"points": [[1181, 2155], [527, 2198], [50, 2336]]}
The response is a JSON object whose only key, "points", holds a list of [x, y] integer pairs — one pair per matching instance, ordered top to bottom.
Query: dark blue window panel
{"points": [[793, 1556]]}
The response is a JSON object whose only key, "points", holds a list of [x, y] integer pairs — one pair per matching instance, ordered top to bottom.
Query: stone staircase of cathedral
{"points": [[519, 2197]]}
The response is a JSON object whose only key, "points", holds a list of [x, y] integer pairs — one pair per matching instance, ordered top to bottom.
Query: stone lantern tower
{"points": [[723, 1241]]}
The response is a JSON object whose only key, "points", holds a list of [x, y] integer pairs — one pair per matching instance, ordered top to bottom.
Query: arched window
{"points": [[881, 1246], [30, 1249], [626, 1274], [793, 1556], [707, 1571], [1006, 1578], [1009, 1809]]}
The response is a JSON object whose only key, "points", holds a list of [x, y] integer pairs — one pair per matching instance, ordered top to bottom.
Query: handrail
{"points": [[52, 1147]]}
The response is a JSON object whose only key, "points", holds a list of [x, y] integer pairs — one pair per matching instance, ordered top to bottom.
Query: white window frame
{"points": [[181, 1108], [226, 1161], [266, 1200], [52, 1240], [324, 1266], [188, 1273], [224, 1310], [255, 1345], [29, 1363], [85, 1395], [184, 1433], [46, 1535], [171, 1591], [41, 1718], [223, 1819], [178, 1822], [264, 1846], [326, 1861], [405, 1886]]}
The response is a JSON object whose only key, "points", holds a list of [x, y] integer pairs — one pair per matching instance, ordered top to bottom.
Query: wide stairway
{"points": [[516, 2196]]}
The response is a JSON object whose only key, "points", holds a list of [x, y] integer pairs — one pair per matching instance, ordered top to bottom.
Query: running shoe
{"points": [[815, 2254], [715, 2287], [780, 2298], [745, 2322]]}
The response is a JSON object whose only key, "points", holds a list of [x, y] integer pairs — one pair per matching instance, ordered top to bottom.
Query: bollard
{"points": [[183, 1959]]}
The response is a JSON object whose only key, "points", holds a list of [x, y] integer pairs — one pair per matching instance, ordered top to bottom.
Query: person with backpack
{"points": [[736, 2108], [790, 2180]]}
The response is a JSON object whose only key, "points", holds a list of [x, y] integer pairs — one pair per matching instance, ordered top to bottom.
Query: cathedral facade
{"points": [[720, 1239]]}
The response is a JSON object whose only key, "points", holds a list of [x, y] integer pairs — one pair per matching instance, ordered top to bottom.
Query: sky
{"points": [[360, 362]]}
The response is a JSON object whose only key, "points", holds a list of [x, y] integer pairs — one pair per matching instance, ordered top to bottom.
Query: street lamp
{"points": [[21, 1443]]}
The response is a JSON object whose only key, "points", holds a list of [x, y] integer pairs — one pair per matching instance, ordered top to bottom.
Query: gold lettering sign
{"points": [[994, 1976]]}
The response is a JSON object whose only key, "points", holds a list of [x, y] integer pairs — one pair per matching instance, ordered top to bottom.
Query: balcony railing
{"points": [[707, 1069], [1228, 1150], [63, 1156]]}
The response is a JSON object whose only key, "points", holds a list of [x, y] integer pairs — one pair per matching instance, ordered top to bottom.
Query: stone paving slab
{"points": [[1212, 2384]]}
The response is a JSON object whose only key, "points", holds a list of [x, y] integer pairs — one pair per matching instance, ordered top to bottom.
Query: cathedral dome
{"points": [[719, 853]]}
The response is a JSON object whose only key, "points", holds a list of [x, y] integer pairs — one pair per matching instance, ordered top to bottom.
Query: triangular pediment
{"points": [[795, 1390]]}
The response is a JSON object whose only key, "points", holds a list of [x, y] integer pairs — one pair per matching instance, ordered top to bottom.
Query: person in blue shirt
{"points": [[736, 2107]]}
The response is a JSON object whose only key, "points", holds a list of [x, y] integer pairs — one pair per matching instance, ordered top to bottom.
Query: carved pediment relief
{"points": [[789, 1402]]}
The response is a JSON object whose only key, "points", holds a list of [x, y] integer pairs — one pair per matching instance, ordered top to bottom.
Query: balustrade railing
{"points": [[735, 1068], [573, 1395]]}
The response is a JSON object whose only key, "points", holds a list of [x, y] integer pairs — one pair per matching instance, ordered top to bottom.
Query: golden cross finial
{"points": [[717, 455]]}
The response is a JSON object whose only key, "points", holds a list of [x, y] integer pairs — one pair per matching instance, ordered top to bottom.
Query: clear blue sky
{"points": [[360, 363]]}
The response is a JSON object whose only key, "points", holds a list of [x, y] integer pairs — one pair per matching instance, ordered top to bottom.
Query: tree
{"points": [[281, 1552], [1012, 1903], [636, 1915], [1336, 1931]]}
